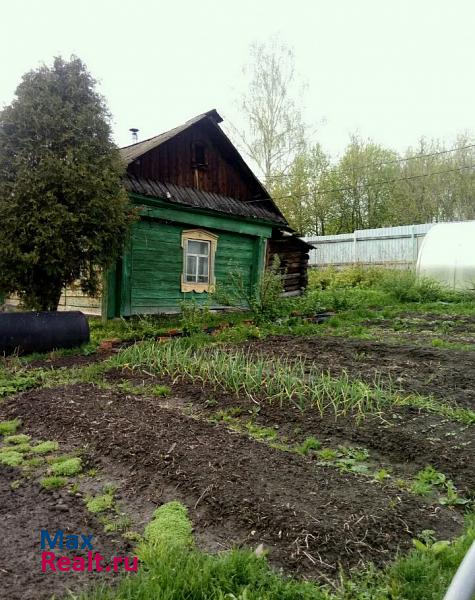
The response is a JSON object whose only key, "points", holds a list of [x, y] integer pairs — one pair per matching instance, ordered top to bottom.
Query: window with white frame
{"points": [[199, 249], [197, 261]]}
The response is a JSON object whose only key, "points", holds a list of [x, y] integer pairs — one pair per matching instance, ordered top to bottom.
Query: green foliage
{"points": [[321, 197], [63, 211], [357, 287], [264, 299], [194, 316], [283, 380], [13, 382], [160, 390], [7, 427], [261, 433], [20, 438], [310, 443], [21, 447], [45, 447], [327, 454], [12, 458], [67, 468], [381, 475], [428, 479], [425, 480], [53, 482], [100, 503], [117, 523], [169, 527], [172, 570]]}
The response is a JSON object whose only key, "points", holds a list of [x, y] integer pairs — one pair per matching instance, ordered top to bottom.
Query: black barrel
{"points": [[26, 332]]}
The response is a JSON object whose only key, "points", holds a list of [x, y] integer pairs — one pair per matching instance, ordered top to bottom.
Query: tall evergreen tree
{"points": [[63, 211]]}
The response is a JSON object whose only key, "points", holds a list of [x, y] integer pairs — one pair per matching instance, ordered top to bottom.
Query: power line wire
{"points": [[390, 162], [368, 185]]}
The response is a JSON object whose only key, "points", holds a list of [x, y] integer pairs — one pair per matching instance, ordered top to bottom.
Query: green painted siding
{"points": [[153, 270]]}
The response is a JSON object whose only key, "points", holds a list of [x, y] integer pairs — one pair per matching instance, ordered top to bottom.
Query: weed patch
{"points": [[8, 427], [45, 447], [67, 467], [53, 482], [100, 503]]}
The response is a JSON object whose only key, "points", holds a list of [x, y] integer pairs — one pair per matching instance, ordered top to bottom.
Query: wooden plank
{"points": [[154, 208]]}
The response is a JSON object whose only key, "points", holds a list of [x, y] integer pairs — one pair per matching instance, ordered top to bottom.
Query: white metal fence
{"points": [[389, 246]]}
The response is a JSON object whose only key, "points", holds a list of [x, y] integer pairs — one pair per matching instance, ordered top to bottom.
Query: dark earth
{"points": [[446, 374], [402, 436], [24, 512], [312, 518]]}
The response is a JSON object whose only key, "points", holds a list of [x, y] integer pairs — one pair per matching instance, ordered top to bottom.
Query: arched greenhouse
{"points": [[447, 255]]}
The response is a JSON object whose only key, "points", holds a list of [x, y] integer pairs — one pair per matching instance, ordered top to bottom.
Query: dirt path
{"points": [[447, 374], [312, 518]]}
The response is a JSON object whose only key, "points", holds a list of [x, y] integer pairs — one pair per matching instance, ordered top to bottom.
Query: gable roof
{"points": [[212, 117], [134, 151]]}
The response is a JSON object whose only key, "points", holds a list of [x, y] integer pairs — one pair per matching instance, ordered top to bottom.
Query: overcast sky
{"points": [[390, 70]]}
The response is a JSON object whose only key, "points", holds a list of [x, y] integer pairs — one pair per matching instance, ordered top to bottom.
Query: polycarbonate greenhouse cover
{"points": [[447, 255]]}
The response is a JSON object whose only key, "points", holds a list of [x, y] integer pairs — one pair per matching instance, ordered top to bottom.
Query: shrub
{"points": [[264, 299], [194, 317]]}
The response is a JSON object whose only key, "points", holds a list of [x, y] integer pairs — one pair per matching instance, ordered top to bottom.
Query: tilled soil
{"points": [[66, 362], [446, 374], [401, 436], [24, 512], [312, 518]]}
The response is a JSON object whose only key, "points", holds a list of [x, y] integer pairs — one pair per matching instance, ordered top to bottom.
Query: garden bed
{"points": [[312, 518]]}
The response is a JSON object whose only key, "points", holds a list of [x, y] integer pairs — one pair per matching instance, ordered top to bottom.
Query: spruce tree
{"points": [[63, 211]]}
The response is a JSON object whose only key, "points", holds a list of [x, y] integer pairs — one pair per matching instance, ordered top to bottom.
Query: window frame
{"points": [[198, 235]]}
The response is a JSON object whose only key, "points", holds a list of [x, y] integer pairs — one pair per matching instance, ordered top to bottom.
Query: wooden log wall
{"points": [[293, 255]]}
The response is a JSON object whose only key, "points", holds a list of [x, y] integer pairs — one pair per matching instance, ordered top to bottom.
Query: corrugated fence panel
{"points": [[383, 246]]}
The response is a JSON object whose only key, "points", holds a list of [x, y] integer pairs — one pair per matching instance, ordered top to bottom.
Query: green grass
{"points": [[283, 380], [14, 381], [160, 390], [430, 404], [9, 427], [20, 438], [309, 444], [45, 447], [23, 448], [12, 458], [66, 467], [53, 482], [101, 502], [170, 526], [173, 569]]}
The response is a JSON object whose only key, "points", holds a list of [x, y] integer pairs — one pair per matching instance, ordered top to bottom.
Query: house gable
{"points": [[198, 155]]}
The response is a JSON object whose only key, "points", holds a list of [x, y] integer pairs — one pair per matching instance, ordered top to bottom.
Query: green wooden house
{"points": [[203, 214]]}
